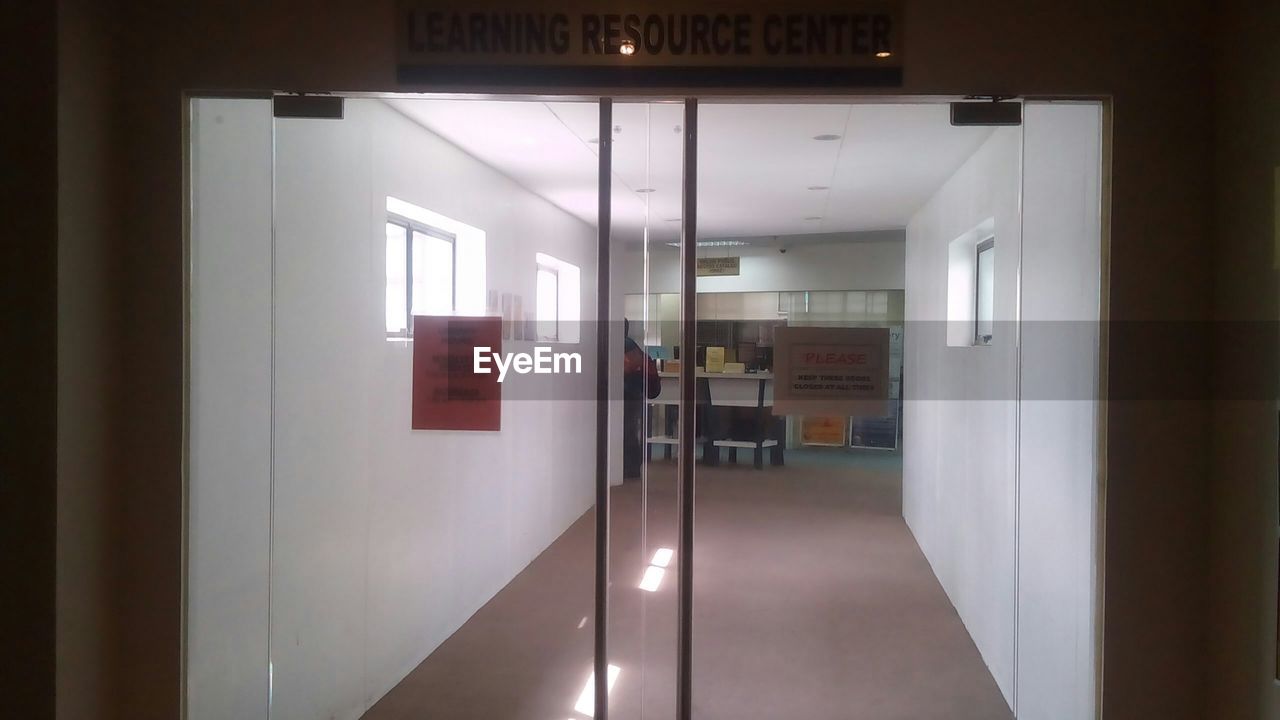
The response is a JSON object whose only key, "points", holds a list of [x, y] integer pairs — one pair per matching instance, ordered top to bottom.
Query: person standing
{"points": [[640, 381]]}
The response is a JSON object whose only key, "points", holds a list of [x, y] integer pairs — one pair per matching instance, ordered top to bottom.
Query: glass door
{"points": [[646, 198], [457, 365], [433, 480]]}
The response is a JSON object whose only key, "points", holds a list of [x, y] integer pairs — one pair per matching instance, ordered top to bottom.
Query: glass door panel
{"points": [[646, 204], [444, 572], [812, 595]]}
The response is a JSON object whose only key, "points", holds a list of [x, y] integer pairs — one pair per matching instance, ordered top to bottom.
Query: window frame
{"points": [[410, 227], [988, 244]]}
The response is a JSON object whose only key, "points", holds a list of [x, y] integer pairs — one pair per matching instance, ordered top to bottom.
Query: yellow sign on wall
{"points": [[719, 266]]}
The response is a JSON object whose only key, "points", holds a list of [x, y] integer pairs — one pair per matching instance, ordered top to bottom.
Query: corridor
{"points": [[812, 601]]}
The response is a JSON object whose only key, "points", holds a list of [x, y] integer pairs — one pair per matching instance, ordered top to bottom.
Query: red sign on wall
{"points": [[447, 392]]}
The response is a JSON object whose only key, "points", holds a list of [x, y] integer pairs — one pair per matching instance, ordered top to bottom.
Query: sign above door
{"points": [[710, 44]]}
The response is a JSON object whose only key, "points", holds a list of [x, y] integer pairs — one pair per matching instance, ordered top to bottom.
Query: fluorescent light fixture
{"points": [[715, 243], [662, 557], [652, 578], [587, 700]]}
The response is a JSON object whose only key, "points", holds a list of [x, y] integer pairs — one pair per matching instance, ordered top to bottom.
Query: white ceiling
{"points": [[756, 162]]}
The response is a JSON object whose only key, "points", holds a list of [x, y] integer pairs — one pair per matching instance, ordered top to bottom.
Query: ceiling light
{"points": [[627, 47], [883, 54], [826, 137], [819, 187], [646, 190], [814, 217], [715, 243], [662, 557]]}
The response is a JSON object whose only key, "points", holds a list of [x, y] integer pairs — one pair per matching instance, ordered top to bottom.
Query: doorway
{"points": [[936, 557]]}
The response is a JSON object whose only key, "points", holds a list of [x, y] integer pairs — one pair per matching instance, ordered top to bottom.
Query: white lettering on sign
{"points": [[541, 362]]}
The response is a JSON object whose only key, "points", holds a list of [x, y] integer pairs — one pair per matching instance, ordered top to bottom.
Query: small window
{"points": [[421, 273], [984, 292], [557, 300], [548, 303]]}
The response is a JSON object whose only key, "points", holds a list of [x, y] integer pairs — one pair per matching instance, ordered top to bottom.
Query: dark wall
{"points": [[1155, 60], [90, 330], [28, 349], [1242, 620]]}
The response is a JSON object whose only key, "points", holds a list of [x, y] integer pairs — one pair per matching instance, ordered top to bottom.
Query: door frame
{"points": [[691, 97]]}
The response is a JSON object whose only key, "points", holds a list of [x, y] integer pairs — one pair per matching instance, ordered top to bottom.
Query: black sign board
{"points": [[855, 44]]}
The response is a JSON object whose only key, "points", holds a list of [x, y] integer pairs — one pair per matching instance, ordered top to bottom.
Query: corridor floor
{"points": [[811, 600]]}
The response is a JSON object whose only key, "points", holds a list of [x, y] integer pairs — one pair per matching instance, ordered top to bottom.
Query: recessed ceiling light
{"points": [[883, 54], [826, 137], [819, 187], [646, 190]]}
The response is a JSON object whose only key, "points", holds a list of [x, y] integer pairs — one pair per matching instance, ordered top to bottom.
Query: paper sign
{"points": [[716, 266], [715, 359], [831, 371], [447, 393], [823, 430]]}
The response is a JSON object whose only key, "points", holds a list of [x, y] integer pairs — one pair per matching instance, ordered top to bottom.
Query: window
{"points": [[421, 273], [984, 292], [557, 299], [548, 303]]}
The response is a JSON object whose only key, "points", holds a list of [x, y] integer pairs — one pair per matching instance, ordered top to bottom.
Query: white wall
{"points": [[861, 265], [959, 414], [1057, 425], [1001, 493], [385, 540]]}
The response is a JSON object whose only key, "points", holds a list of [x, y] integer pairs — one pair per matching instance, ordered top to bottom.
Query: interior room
{"points": [[935, 559]]}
